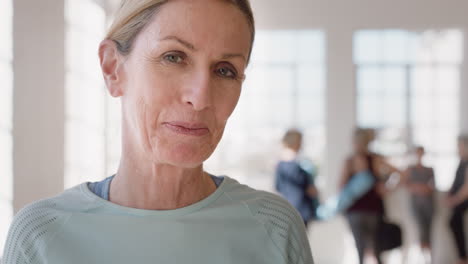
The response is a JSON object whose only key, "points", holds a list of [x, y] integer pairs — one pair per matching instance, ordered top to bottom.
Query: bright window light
{"points": [[85, 144]]}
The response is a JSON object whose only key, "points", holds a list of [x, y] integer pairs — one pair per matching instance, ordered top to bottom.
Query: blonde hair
{"points": [[134, 15]]}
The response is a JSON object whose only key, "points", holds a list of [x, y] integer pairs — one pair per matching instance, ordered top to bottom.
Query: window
{"points": [[407, 87], [284, 88], [6, 119], [85, 145]]}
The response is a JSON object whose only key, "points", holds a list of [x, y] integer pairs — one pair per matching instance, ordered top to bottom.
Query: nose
{"points": [[198, 90]]}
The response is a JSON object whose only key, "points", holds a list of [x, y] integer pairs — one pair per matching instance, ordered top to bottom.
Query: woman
{"points": [[178, 67], [419, 180], [292, 181], [458, 200], [365, 214]]}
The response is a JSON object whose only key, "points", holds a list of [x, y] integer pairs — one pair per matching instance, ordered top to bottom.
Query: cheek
{"points": [[155, 92], [148, 95], [226, 103]]}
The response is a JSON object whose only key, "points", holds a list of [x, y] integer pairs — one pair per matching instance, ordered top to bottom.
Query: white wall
{"points": [[275, 14], [39, 99], [341, 103], [38, 113]]}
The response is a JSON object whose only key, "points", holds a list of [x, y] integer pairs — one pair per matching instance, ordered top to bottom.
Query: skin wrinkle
{"points": [[161, 169]]}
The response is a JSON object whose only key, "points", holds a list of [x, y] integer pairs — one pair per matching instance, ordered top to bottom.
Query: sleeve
{"points": [[285, 228], [29, 233], [15, 245], [17, 258]]}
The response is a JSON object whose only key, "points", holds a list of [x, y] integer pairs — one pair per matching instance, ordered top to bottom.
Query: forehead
{"points": [[200, 22]]}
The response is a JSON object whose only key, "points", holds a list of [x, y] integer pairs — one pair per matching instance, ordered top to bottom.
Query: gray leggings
{"points": [[423, 210], [364, 226]]}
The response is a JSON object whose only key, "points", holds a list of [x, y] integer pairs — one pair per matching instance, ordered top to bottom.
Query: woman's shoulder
{"points": [[288, 164], [289, 167], [54, 206], [38, 215], [36, 222], [33, 227]]}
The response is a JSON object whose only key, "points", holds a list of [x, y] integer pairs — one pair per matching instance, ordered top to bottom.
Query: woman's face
{"points": [[182, 80]]}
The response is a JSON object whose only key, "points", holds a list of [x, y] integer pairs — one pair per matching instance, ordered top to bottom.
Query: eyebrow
{"points": [[233, 55]]}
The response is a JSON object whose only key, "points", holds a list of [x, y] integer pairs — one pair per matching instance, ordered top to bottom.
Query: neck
{"points": [[288, 154], [419, 163], [143, 184]]}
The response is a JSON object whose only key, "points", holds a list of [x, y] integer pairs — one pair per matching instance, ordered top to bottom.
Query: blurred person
{"points": [[178, 68], [293, 181], [420, 182], [354, 189], [458, 200], [365, 215]]}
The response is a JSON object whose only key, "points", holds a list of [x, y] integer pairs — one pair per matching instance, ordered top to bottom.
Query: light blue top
{"points": [[235, 224]]}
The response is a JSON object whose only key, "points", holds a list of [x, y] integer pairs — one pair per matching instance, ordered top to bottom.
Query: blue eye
{"points": [[174, 58], [226, 72]]}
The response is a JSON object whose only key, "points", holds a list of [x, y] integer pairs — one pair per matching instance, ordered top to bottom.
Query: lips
{"points": [[184, 128]]}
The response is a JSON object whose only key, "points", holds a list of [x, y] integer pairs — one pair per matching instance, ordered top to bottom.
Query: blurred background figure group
{"points": [[367, 178]]}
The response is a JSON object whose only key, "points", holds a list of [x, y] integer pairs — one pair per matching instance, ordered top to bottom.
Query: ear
{"points": [[111, 60]]}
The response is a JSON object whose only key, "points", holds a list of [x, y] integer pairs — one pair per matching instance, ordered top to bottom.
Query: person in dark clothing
{"points": [[419, 180], [293, 182], [458, 200], [366, 213]]}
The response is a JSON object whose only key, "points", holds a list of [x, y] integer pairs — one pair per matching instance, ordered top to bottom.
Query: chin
{"points": [[186, 156]]}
